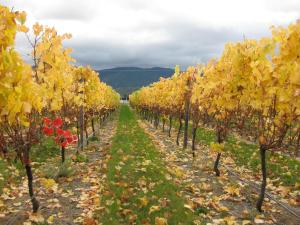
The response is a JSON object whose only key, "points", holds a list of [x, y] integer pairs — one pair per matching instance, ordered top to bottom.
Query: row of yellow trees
{"points": [[52, 87], [253, 89]]}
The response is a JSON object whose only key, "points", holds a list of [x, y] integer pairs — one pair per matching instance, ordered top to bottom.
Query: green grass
{"points": [[45, 150], [134, 161]]}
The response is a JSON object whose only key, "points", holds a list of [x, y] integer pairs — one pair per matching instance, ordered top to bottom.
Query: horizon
{"points": [[135, 68]]}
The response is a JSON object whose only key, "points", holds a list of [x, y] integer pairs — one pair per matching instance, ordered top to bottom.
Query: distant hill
{"points": [[127, 79]]}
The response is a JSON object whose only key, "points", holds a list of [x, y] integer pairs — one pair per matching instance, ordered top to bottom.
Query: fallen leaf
{"points": [[232, 190], [144, 201], [154, 208], [36, 217], [50, 219], [230, 220], [89, 221], [160, 221], [259, 221]]}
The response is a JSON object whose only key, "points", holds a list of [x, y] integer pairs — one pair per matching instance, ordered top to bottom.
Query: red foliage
{"points": [[47, 122], [57, 122], [47, 131], [59, 132], [67, 134], [62, 137], [72, 139], [75, 139], [64, 144]]}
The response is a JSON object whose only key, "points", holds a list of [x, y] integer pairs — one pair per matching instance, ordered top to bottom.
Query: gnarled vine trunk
{"points": [[186, 122], [81, 125], [170, 125], [93, 127], [179, 130], [86, 135], [220, 137], [194, 140], [63, 150], [262, 151], [216, 165], [35, 203]]}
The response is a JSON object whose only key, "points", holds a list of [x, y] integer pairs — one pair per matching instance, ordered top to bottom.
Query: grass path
{"points": [[139, 188]]}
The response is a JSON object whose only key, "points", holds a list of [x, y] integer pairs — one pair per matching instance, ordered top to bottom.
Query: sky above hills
{"points": [[111, 33]]}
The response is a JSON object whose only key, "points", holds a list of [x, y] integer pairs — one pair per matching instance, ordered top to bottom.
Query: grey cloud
{"points": [[135, 4], [278, 6], [57, 9], [63, 10], [184, 41], [187, 44]]}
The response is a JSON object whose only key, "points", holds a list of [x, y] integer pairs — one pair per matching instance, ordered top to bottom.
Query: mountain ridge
{"points": [[127, 79]]}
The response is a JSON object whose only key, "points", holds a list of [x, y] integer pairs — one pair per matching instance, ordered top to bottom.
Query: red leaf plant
{"points": [[62, 137]]}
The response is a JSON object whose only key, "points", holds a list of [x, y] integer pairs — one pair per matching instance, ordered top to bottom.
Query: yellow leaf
{"points": [[22, 17], [23, 29], [37, 29], [27, 107], [216, 147], [178, 172], [48, 183], [205, 187], [232, 190], [97, 200], [144, 201], [199, 201], [293, 202], [189, 207], [154, 208], [224, 209], [36, 217], [50, 219], [230, 220], [160, 221]]}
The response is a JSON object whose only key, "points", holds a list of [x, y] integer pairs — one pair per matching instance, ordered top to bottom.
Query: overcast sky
{"points": [[146, 33]]}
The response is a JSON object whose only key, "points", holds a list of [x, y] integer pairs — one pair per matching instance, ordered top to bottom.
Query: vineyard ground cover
{"points": [[245, 154], [281, 166], [12, 171], [5, 173], [139, 187], [63, 199], [228, 200]]}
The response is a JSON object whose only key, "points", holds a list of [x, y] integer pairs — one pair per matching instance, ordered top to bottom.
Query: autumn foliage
{"points": [[52, 86], [253, 90], [62, 137]]}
